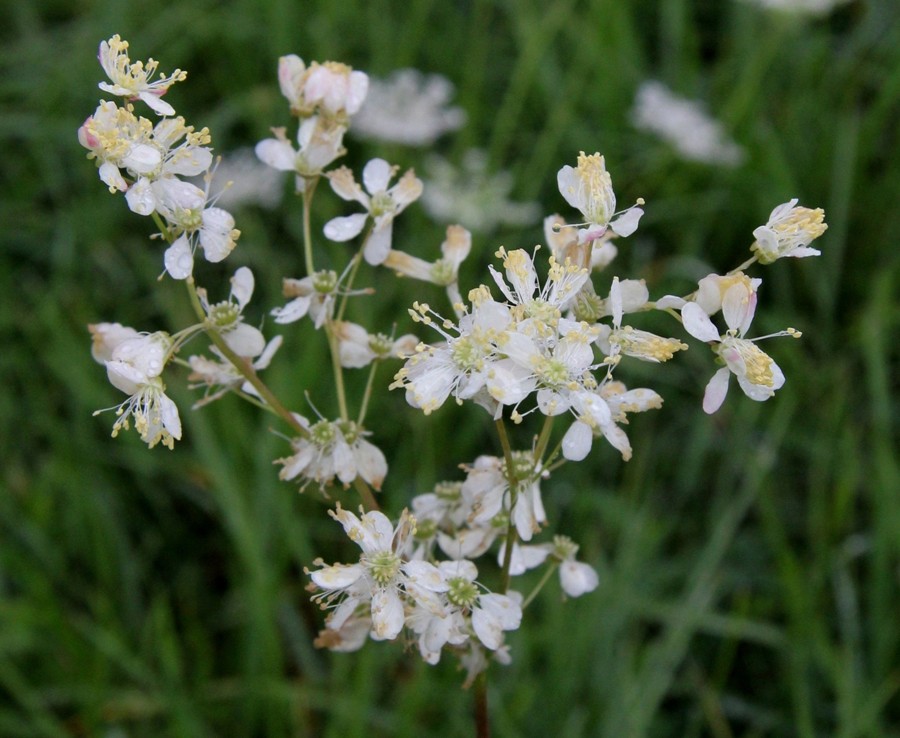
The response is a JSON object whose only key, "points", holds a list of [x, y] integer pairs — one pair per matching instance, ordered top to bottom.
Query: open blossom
{"points": [[133, 80], [408, 108], [685, 125], [319, 142], [588, 188], [382, 204], [788, 232], [313, 295], [227, 318], [106, 336], [358, 348], [135, 367], [757, 373], [220, 376], [600, 412], [333, 449], [576, 577], [381, 580]]}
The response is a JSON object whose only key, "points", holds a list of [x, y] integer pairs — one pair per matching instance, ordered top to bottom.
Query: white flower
{"points": [[133, 80], [331, 88], [408, 108], [685, 125], [320, 141], [588, 188], [473, 196], [382, 204], [789, 232], [564, 243], [712, 288], [313, 295], [227, 317], [105, 337], [630, 341], [358, 348], [466, 363], [135, 368], [757, 373], [222, 376], [599, 413], [333, 449], [487, 487], [575, 577], [381, 578]]}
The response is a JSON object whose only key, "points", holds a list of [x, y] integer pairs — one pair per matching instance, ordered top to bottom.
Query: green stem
{"points": [[308, 192], [241, 364], [337, 369], [367, 394], [543, 439], [368, 499], [540, 585]]}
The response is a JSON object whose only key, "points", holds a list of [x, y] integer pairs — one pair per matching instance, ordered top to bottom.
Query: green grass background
{"points": [[749, 562]]}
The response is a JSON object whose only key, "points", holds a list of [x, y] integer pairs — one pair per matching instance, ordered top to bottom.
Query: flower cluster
{"points": [[148, 162], [539, 340]]}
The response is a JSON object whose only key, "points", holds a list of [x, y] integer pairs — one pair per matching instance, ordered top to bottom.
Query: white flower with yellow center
{"points": [[132, 80], [588, 188], [382, 203], [788, 232], [227, 318], [757, 373], [332, 449], [381, 579]]}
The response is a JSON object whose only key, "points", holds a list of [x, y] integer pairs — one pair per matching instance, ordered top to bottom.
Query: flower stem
{"points": [[308, 192], [241, 364], [337, 369], [367, 393], [368, 499], [540, 585], [482, 722]]}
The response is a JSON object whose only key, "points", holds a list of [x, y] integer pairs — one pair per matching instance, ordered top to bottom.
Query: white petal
{"points": [[156, 103], [277, 154], [376, 176], [569, 186], [141, 198], [627, 222], [345, 228], [379, 244], [179, 259], [242, 286], [293, 311], [697, 323], [245, 340], [716, 390], [168, 411], [577, 442], [370, 463], [426, 575], [338, 576], [577, 578], [387, 615]]}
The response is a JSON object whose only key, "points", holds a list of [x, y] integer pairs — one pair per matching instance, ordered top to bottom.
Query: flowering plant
{"points": [[536, 343]]}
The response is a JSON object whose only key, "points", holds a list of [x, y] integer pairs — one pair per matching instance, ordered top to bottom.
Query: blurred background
{"points": [[749, 562]]}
